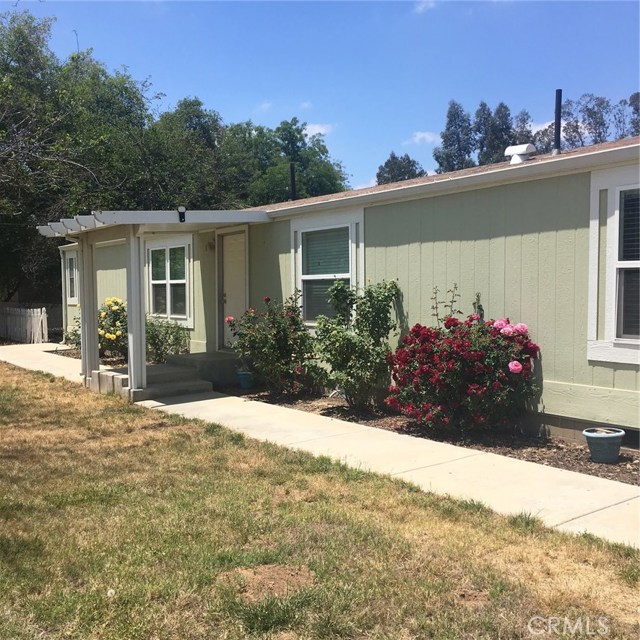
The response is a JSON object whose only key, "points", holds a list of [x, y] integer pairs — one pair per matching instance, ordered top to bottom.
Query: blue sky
{"points": [[372, 76]]}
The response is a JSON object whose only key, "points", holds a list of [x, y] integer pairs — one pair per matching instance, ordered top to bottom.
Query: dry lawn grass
{"points": [[118, 522]]}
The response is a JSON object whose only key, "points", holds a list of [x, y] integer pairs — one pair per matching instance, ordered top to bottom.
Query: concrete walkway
{"points": [[562, 499]]}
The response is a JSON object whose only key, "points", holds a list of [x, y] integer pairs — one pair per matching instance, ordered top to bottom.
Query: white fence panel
{"points": [[21, 324]]}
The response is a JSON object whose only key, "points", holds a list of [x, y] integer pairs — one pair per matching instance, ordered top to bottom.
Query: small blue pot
{"points": [[246, 379], [604, 443]]}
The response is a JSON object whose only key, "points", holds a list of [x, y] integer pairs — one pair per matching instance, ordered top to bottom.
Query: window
{"points": [[326, 248], [325, 259], [628, 265], [168, 266], [614, 267], [71, 272]]}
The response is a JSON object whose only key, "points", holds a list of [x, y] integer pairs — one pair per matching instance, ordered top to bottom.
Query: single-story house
{"points": [[553, 242]]}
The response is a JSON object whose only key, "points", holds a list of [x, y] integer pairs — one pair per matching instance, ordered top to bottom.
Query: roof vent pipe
{"points": [[557, 129], [520, 153]]}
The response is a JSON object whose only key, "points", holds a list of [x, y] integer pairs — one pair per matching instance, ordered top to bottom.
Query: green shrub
{"points": [[112, 328], [73, 337], [165, 337], [355, 342], [276, 344], [464, 373]]}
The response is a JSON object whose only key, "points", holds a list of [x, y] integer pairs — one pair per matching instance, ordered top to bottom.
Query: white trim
{"points": [[353, 218], [170, 242], [71, 255], [610, 348]]}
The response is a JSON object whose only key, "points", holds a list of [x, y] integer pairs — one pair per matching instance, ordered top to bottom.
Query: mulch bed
{"points": [[552, 451]]}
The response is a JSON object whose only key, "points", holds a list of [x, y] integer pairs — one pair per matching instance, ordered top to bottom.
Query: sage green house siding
{"points": [[524, 248], [110, 263], [270, 269]]}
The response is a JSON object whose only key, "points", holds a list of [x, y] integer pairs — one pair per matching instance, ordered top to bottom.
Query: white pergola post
{"points": [[88, 309], [135, 310]]}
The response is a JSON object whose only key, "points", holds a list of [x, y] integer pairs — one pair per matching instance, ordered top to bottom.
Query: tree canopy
{"points": [[589, 120], [75, 137], [398, 168]]}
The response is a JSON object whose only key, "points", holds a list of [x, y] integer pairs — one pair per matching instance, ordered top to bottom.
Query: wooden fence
{"points": [[22, 324]]}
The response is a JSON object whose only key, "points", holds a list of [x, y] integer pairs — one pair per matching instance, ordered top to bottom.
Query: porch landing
{"points": [[217, 367]]}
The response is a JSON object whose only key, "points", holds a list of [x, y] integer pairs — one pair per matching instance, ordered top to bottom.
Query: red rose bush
{"points": [[464, 373]]}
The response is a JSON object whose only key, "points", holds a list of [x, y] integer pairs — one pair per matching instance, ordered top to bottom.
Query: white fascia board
{"points": [[503, 174], [233, 216], [71, 224]]}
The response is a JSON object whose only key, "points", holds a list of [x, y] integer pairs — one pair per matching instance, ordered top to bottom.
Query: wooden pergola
{"points": [[131, 226]]}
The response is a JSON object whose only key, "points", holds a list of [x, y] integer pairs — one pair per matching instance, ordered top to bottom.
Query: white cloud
{"points": [[423, 5], [305, 105], [264, 106], [535, 127], [323, 129], [423, 137], [372, 183]]}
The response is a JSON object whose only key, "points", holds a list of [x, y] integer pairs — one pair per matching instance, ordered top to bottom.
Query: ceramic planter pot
{"points": [[246, 379], [604, 443]]}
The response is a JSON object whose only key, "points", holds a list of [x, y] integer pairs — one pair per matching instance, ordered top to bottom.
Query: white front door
{"points": [[233, 280]]}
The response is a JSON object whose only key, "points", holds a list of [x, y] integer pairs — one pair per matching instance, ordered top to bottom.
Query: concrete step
{"points": [[167, 389]]}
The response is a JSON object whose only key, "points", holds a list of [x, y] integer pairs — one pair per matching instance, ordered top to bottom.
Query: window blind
{"points": [[629, 246], [325, 252]]}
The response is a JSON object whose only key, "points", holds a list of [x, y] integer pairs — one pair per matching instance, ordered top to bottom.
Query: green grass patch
{"points": [[122, 523]]}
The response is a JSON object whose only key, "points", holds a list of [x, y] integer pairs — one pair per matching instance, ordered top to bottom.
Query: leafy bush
{"points": [[112, 327], [73, 337], [165, 337], [355, 342], [278, 346], [464, 374]]}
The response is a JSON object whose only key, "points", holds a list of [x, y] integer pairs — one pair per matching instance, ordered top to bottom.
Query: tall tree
{"points": [[634, 103], [596, 112], [483, 129], [573, 130], [522, 132], [503, 136], [544, 139], [457, 141], [399, 168]]}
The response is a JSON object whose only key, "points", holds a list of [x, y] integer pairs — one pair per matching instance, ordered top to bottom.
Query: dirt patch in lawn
{"points": [[552, 450], [255, 584]]}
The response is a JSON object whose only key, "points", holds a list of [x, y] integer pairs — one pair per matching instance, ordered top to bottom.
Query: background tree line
{"points": [[76, 137], [468, 142]]}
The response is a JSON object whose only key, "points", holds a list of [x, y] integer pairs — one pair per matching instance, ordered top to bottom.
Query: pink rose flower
{"points": [[229, 319], [501, 324], [521, 327], [508, 330], [515, 367]]}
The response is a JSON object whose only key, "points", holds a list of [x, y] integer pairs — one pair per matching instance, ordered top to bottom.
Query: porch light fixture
{"points": [[181, 213]]}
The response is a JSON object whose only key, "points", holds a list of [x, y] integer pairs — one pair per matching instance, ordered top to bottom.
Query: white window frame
{"points": [[353, 219], [167, 243], [71, 255], [610, 348]]}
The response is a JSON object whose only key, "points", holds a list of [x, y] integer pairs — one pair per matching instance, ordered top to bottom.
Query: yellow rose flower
{"points": [[114, 308], [103, 314], [101, 332], [118, 333]]}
